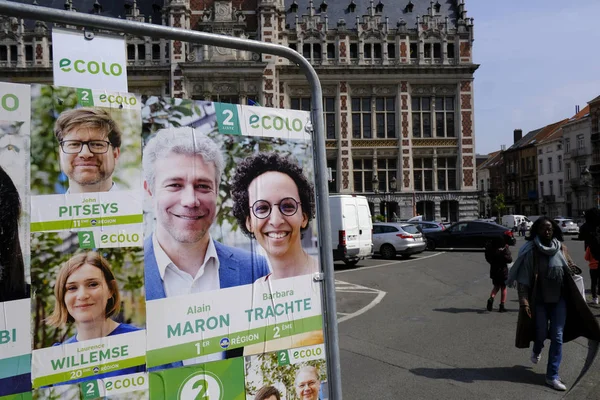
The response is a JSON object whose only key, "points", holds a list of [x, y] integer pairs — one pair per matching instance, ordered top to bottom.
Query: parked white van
{"points": [[513, 221], [351, 228]]}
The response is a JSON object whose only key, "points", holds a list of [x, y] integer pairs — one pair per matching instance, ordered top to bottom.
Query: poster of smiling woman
{"points": [[86, 162], [229, 214], [88, 314], [15, 337]]}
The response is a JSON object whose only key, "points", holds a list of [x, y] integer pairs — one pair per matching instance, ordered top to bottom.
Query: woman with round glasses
{"points": [[273, 202]]}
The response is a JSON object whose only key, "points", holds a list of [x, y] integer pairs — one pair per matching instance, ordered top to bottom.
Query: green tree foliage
{"points": [[46, 107], [498, 204], [49, 251]]}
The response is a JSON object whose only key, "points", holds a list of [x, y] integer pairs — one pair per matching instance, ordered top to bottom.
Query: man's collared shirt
{"points": [[179, 283]]}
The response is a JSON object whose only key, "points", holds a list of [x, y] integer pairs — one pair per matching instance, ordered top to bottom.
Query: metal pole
{"points": [[26, 11]]}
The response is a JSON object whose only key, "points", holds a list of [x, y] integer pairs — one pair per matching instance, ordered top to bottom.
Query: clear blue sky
{"points": [[538, 59]]}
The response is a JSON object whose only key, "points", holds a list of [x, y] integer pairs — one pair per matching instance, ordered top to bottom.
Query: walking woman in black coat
{"points": [[497, 254]]}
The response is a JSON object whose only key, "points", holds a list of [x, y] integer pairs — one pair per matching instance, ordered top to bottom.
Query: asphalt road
{"points": [[418, 329]]}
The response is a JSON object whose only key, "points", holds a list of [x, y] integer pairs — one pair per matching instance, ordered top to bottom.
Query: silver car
{"points": [[567, 226], [392, 238]]}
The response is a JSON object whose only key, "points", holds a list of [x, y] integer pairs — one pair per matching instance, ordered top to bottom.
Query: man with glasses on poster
{"points": [[90, 142], [307, 383]]}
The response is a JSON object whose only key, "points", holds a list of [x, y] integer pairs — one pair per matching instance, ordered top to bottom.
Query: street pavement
{"points": [[418, 329]]}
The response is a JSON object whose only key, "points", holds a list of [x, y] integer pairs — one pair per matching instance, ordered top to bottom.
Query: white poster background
{"points": [[104, 56]]}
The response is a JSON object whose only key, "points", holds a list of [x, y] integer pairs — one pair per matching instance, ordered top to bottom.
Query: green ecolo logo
{"points": [[93, 67], [112, 99], [9, 102], [276, 122]]}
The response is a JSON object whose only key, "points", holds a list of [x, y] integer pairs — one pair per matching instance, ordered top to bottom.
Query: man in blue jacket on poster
{"points": [[182, 169]]}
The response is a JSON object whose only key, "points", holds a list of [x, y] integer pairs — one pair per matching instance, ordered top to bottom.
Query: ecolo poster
{"points": [[230, 248], [179, 250], [88, 314], [15, 337]]}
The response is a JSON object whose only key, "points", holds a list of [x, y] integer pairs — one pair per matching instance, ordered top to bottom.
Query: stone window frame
{"points": [[10, 55], [422, 109], [330, 110], [364, 113], [449, 115], [389, 116], [444, 166], [422, 168], [386, 169], [363, 175], [560, 187]]}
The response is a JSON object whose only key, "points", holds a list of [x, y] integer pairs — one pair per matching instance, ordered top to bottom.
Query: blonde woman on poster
{"points": [[90, 142], [273, 203], [87, 295]]}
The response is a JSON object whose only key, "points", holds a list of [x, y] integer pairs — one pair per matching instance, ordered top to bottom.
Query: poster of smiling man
{"points": [[86, 162], [229, 213], [15, 337]]}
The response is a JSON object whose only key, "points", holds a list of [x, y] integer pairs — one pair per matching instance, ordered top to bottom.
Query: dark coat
{"points": [[590, 234], [498, 258], [580, 320]]}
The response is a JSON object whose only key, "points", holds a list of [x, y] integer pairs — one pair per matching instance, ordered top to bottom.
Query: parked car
{"points": [[429, 226], [567, 226], [469, 234], [392, 238]]}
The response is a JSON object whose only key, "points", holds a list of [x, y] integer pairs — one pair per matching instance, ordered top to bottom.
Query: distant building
{"points": [[397, 83], [595, 140], [577, 146], [521, 166], [551, 173], [484, 183]]}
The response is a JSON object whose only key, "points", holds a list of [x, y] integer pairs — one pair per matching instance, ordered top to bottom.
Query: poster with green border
{"points": [[219, 380]]}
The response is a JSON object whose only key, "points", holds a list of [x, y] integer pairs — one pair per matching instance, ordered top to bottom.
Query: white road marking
{"points": [[390, 263], [347, 287], [363, 310]]}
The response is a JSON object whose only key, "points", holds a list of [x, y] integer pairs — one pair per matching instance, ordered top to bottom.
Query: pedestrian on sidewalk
{"points": [[523, 228], [588, 232], [497, 254], [593, 263], [549, 298]]}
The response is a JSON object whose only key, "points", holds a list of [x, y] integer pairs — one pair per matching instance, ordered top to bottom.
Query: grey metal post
{"points": [[318, 138]]}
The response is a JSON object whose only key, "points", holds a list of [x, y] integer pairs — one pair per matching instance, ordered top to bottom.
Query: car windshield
{"points": [[410, 229]]}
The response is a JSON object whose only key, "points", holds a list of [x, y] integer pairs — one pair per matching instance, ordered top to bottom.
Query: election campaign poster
{"points": [[89, 60], [86, 164], [230, 249], [88, 314], [15, 336], [290, 374], [124, 387]]}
